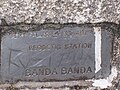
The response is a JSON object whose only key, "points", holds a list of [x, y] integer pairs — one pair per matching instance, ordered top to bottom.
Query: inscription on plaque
{"points": [[47, 54]]}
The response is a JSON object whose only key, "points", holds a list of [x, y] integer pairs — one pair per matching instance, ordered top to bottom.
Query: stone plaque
{"points": [[53, 54]]}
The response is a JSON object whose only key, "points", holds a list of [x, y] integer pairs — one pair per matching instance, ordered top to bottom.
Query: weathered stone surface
{"points": [[60, 11], [67, 11], [16, 39], [45, 54]]}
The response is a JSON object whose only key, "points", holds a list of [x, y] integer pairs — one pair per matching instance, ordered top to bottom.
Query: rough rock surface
{"points": [[60, 11]]}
